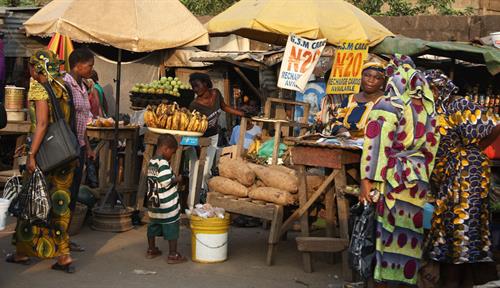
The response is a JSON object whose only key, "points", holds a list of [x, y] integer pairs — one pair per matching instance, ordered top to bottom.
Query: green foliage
{"points": [[207, 7], [405, 8]]}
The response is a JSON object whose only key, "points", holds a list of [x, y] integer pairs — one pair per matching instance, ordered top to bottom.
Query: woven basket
{"points": [[77, 219]]}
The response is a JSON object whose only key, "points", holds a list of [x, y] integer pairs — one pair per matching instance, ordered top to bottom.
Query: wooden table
{"points": [[20, 128], [106, 138], [150, 140], [309, 153]]}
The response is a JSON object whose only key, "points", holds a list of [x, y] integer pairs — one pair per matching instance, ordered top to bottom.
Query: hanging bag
{"points": [[60, 145], [362, 245]]}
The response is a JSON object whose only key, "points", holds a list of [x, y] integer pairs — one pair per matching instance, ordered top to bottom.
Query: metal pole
{"points": [[113, 192]]}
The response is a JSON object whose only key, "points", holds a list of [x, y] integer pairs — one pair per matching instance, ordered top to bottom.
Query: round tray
{"points": [[174, 132]]}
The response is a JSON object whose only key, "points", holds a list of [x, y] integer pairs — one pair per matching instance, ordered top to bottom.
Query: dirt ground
{"points": [[111, 258]]}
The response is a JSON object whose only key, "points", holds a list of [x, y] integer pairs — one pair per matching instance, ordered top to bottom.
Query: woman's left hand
{"points": [[31, 164]]}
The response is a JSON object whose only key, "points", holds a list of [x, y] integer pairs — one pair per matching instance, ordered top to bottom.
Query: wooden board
{"points": [[175, 132], [321, 157], [241, 207], [321, 244]]}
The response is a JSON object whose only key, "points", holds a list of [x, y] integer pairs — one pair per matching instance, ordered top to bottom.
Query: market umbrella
{"points": [[271, 21], [134, 25], [62, 46]]}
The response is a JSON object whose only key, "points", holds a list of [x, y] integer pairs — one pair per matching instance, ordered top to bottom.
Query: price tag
{"points": [[189, 141]]}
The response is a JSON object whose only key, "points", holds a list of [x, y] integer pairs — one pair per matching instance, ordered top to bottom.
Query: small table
{"points": [[20, 128], [106, 137], [150, 141], [309, 153]]}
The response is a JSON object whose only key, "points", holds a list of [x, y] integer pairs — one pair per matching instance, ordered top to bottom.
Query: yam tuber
{"points": [[237, 169], [276, 178], [227, 186], [270, 194]]}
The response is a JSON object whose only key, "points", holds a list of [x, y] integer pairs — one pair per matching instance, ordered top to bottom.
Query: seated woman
{"points": [[353, 113]]}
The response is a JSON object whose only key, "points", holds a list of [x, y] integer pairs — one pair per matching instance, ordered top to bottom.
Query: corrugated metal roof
{"points": [[15, 40]]}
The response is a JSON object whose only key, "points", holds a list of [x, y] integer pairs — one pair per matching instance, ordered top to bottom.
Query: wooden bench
{"points": [[258, 209]]}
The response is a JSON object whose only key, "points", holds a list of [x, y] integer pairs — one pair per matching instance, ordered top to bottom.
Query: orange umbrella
{"points": [[62, 46]]}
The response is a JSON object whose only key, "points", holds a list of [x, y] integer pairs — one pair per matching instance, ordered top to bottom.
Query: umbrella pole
{"points": [[113, 192]]}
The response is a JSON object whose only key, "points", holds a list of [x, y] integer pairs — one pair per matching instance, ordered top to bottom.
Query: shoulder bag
{"points": [[60, 145]]}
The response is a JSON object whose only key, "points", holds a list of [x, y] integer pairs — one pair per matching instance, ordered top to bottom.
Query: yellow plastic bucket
{"points": [[209, 239]]}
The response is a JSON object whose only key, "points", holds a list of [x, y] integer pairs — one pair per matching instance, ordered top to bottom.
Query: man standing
{"points": [[81, 62]]}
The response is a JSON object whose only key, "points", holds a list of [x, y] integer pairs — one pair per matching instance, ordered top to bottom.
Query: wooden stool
{"points": [[267, 211]]}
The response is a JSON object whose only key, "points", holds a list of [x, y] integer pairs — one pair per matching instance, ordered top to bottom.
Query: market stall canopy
{"points": [[271, 21], [134, 25], [488, 55]]}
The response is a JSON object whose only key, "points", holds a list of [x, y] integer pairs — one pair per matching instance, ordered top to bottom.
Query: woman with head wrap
{"points": [[354, 110], [398, 156], [460, 232], [52, 240]]}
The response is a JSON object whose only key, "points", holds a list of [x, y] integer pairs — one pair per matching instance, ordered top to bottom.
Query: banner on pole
{"points": [[299, 60], [347, 67]]}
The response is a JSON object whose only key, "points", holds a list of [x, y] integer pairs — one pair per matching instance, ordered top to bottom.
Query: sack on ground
{"points": [[236, 169], [227, 186], [273, 195], [362, 245]]}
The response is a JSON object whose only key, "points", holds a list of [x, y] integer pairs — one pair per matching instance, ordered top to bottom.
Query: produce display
{"points": [[166, 85], [172, 117], [102, 122], [243, 179]]}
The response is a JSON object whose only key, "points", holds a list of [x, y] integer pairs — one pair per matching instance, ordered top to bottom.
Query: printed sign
{"points": [[299, 60], [347, 68], [189, 141]]}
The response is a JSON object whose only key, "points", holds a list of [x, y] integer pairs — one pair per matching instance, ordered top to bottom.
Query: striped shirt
{"points": [[82, 106], [169, 210]]}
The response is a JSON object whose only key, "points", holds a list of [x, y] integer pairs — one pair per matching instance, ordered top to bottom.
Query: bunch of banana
{"points": [[150, 117], [171, 117], [254, 147]]}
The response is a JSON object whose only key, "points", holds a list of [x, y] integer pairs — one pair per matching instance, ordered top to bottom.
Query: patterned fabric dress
{"points": [[352, 115], [398, 154], [460, 232], [52, 241]]}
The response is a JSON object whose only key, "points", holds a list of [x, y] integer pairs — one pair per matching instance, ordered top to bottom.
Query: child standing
{"points": [[163, 201]]}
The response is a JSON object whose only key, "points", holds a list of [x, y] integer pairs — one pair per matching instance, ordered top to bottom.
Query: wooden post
{"points": [[277, 132], [241, 137], [343, 211], [304, 222]]}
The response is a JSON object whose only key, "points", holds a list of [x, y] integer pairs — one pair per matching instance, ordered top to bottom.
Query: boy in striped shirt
{"points": [[163, 201]]}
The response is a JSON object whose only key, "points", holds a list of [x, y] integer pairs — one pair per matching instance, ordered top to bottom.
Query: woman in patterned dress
{"points": [[398, 157], [460, 232], [51, 241]]}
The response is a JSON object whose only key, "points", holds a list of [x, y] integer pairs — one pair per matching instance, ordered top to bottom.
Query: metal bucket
{"points": [[14, 97]]}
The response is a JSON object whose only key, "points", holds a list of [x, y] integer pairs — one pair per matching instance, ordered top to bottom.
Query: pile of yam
{"points": [[275, 184]]}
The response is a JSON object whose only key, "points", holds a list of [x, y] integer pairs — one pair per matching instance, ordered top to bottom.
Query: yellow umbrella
{"points": [[271, 21], [134, 25], [62, 46]]}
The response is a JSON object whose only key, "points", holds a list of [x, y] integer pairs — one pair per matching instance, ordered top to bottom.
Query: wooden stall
{"points": [[20, 129], [150, 141], [306, 153]]}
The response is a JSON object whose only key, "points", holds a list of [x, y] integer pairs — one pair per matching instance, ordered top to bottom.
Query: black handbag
{"points": [[60, 145]]}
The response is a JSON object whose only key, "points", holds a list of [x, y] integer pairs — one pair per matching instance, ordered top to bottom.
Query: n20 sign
{"points": [[299, 60], [346, 70]]}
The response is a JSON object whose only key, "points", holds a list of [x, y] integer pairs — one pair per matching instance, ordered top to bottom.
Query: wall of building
{"points": [[442, 28]]}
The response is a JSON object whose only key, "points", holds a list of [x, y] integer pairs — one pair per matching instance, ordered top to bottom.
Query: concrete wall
{"points": [[442, 28]]}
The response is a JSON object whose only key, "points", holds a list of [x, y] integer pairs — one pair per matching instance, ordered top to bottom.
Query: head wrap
{"points": [[46, 61], [379, 67], [406, 82], [444, 85]]}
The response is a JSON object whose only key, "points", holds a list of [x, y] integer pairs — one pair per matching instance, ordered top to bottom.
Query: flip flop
{"points": [[153, 253], [11, 258], [176, 259], [68, 268]]}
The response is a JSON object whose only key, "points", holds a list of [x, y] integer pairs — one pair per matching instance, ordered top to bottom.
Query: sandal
{"points": [[153, 253], [11, 258], [176, 259], [68, 268]]}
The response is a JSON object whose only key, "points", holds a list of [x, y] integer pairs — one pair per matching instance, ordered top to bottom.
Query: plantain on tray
{"points": [[172, 117]]}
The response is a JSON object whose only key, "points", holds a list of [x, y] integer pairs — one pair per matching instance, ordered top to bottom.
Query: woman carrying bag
{"points": [[50, 240]]}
